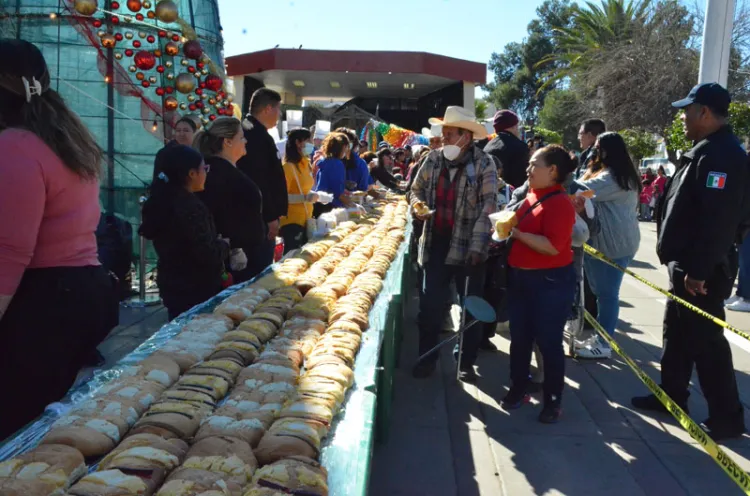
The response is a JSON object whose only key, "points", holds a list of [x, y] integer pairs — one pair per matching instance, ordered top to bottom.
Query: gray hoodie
{"points": [[620, 234]]}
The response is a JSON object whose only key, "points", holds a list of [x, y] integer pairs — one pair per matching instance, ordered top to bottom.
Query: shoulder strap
{"points": [[299, 187], [539, 202]]}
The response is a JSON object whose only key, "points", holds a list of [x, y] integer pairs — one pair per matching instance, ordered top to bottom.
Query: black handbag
{"points": [[501, 253]]}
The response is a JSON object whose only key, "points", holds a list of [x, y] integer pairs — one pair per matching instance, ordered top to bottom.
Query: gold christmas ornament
{"points": [[146, 4], [85, 7], [166, 11], [101, 34], [142, 34], [129, 35], [109, 41], [171, 49], [118, 56], [185, 62], [168, 63], [132, 68], [204, 71], [197, 75], [170, 76], [152, 79], [184, 83], [204, 97], [191, 98], [230, 99], [212, 101], [170, 103], [183, 106], [206, 110], [204, 121]]}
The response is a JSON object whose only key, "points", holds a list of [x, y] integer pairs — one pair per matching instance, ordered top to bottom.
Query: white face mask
{"points": [[309, 148], [451, 152]]}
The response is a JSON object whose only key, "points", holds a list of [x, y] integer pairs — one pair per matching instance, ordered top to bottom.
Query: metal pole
{"points": [[717, 39], [142, 269], [463, 322]]}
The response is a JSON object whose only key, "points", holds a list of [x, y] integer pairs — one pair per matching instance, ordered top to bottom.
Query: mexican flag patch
{"points": [[716, 180]]}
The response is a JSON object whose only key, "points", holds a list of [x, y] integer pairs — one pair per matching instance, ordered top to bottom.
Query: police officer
{"points": [[698, 220]]}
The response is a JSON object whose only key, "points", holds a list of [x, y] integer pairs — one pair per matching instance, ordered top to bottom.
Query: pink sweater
{"points": [[48, 214]]}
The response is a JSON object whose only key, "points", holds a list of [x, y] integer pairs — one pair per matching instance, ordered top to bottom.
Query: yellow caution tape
{"points": [[600, 256], [734, 471]]}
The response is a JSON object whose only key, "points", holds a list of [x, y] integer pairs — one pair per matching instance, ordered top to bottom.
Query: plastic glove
{"points": [[312, 197], [324, 198], [237, 259]]}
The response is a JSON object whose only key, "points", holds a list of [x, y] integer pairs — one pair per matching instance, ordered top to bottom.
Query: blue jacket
{"points": [[360, 174], [331, 178]]}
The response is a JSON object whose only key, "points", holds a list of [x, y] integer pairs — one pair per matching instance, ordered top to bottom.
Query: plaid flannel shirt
{"points": [[476, 199]]}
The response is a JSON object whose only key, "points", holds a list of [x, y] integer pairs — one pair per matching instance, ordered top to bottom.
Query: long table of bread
{"points": [[250, 394]]}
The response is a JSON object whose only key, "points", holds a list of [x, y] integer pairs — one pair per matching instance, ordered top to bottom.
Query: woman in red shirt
{"points": [[541, 280]]}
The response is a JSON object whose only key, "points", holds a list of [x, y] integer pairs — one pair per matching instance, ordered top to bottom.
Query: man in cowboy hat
{"points": [[459, 185]]}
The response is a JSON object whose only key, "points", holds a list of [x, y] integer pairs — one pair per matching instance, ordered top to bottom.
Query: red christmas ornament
{"points": [[115, 5], [134, 5], [139, 16], [115, 20], [97, 23], [162, 34], [118, 36], [175, 37], [150, 38], [137, 44], [192, 49], [128, 52], [144, 60], [200, 65], [160, 69], [191, 69], [214, 82], [145, 84], [202, 85], [170, 90], [160, 91], [199, 91], [170, 103], [199, 105], [192, 107], [212, 117]]}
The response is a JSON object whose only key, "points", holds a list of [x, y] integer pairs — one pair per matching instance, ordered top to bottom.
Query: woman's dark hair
{"points": [[28, 102], [190, 122], [210, 141], [334, 144], [291, 152], [384, 152], [399, 152], [613, 152], [557, 155], [368, 157], [351, 161], [177, 162], [661, 169]]}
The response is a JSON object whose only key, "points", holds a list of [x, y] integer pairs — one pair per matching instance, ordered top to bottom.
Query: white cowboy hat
{"points": [[460, 117], [432, 132]]}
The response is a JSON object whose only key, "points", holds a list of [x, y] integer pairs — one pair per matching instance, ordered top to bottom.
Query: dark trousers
{"points": [[294, 236], [258, 258], [435, 292], [495, 292], [182, 299], [589, 302], [539, 303], [53, 324], [692, 340]]}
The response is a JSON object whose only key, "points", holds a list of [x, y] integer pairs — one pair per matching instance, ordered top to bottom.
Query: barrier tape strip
{"points": [[600, 256], [735, 472]]}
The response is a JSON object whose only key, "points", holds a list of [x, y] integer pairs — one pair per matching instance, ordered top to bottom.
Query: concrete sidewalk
{"points": [[449, 439]]}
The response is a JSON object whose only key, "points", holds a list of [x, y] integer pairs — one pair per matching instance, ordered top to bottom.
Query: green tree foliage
{"points": [[519, 79], [480, 109], [561, 115], [739, 119], [549, 137], [640, 143]]}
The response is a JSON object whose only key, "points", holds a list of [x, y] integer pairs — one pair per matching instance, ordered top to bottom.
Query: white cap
{"points": [[293, 118], [322, 129]]}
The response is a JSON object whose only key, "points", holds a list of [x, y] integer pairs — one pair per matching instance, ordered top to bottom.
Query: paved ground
{"points": [[450, 439]]}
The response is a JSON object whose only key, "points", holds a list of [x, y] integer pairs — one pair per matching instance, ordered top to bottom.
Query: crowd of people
{"points": [[222, 194]]}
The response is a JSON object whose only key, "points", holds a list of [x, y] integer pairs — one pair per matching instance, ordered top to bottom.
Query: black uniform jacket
{"points": [[262, 164], [705, 202]]}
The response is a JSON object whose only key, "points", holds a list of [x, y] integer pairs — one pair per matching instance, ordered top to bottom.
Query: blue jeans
{"points": [[743, 281], [605, 282], [539, 303]]}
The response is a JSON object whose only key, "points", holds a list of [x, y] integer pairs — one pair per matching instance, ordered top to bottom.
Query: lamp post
{"points": [[717, 38]]}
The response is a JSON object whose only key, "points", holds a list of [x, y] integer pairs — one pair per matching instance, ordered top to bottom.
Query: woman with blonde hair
{"points": [[233, 198], [56, 301]]}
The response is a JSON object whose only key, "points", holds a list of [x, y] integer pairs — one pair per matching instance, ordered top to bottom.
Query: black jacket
{"points": [[513, 155], [583, 161], [262, 164], [158, 166], [379, 173], [705, 202], [236, 205], [185, 239]]}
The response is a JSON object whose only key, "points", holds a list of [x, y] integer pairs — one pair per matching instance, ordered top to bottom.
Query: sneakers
{"points": [[731, 300], [739, 305], [592, 348], [516, 398], [651, 403], [551, 412]]}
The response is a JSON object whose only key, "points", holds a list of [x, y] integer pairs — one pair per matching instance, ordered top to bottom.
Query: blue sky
{"points": [[467, 29]]}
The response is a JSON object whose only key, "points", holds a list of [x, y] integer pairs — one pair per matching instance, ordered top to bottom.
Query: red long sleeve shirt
{"points": [[554, 219]]}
